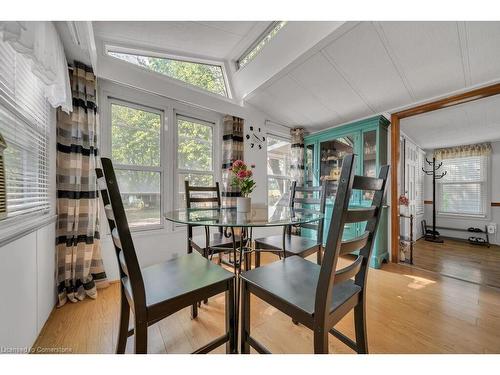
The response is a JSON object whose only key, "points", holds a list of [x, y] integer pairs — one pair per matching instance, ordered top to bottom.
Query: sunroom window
{"points": [[260, 43], [209, 77], [136, 153], [195, 155], [278, 171]]}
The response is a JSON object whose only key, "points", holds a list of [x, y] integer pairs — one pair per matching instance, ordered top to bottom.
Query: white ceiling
{"points": [[218, 40], [379, 66], [468, 123]]}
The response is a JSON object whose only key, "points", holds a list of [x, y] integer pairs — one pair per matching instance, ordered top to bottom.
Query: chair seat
{"points": [[216, 240], [293, 244], [178, 278], [293, 280]]}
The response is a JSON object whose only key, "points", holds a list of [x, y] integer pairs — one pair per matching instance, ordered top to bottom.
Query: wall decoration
{"points": [[255, 137]]}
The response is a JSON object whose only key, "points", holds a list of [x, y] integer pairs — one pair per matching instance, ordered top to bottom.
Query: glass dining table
{"points": [[241, 223], [239, 226]]}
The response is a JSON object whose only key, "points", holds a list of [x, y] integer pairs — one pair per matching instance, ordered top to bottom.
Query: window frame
{"points": [[257, 41], [165, 55], [112, 91], [142, 168], [177, 170], [277, 177], [485, 191], [13, 227]]}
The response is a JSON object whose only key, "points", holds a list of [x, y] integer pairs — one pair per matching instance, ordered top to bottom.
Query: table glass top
{"points": [[259, 216]]}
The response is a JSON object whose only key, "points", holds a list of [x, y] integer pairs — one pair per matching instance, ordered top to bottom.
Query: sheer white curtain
{"points": [[39, 42]]}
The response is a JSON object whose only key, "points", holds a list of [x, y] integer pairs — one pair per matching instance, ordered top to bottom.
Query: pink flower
{"points": [[238, 163], [249, 173], [241, 174]]}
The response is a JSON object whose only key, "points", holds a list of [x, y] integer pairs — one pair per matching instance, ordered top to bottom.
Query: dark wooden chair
{"points": [[311, 199], [209, 243], [155, 292], [319, 296]]}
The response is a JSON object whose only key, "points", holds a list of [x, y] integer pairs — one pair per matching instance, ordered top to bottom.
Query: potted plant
{"points": [[242, 179]]}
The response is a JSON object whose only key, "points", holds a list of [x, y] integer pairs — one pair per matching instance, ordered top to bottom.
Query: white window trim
{"points": [[165, 55], [110, 91], [285, 138], [215, 160], [143, 168], [486, 201]]}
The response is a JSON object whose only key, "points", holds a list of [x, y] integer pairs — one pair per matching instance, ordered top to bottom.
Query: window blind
{"points": [[24, 123], [463, 189]]}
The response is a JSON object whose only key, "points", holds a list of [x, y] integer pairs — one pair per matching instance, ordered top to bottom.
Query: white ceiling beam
{"points": [[82, 35], [285, 49], [464, 50], [392, 56]]}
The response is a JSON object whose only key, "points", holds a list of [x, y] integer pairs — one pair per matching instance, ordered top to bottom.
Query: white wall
{"points": [[466, 222], [27, 273], [27, 286]]}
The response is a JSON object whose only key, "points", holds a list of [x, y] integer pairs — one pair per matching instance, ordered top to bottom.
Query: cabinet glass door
{"points": [[331, 154], [369, 161], [309, 172]]}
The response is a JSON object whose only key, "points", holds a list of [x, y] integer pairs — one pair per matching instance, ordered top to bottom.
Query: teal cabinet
{"points": [[324, 152]]}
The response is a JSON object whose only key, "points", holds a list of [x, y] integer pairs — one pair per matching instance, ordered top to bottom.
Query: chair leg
{"points": [[206, 254], [319, 256], [257, 259], [248, 261], [194, 310], [245, 318], [124, 319], [231, 328], [360, 328], [141, 337], [320, 341]]}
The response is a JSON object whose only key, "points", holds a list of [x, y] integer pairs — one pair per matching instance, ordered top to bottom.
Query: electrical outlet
{"points": [[492, 228]]}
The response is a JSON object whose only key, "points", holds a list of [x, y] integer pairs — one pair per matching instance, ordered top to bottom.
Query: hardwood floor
{"points": [[478, 264], [409, 311]]}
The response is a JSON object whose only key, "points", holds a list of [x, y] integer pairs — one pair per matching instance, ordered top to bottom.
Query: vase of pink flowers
{"points": [[243, 180], [404, 202]]}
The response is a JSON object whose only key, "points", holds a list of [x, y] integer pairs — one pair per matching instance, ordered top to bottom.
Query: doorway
{"points": [[446, 220]]}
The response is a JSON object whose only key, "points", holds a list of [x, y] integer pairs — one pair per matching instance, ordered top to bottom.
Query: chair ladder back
{"points": [[379, 186], [202, 189], [189, 200], [320, 201], [108, 210], [120, 231], [363, 243], [323, 297]]}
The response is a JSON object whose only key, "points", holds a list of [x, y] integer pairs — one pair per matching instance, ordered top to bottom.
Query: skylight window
{"points": [[260, 43], [206, 76]]}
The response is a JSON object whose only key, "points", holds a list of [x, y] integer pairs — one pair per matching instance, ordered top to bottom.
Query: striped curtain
{"points": [[232, 149], [297, 155], [297, 162], [79, 264]]}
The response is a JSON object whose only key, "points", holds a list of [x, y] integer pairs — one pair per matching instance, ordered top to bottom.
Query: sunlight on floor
{"points": [[419, 282]]}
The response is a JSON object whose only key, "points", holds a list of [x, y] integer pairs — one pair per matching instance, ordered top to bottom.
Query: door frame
{"points": [[445, 102]]}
